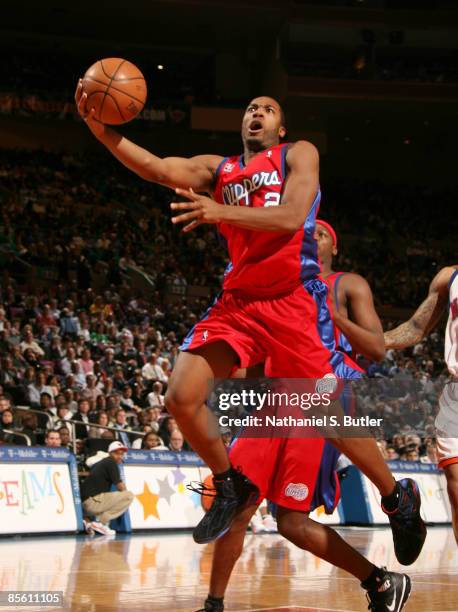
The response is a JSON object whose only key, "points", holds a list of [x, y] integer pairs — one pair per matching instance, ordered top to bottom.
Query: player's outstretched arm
{"points": [[196, 172], [301, 188], [426, 317], [363, 328]]}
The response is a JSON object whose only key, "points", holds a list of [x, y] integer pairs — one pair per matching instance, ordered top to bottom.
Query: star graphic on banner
{"points": [[178, 476], [181, 488], [165, 490], [149, 502]]}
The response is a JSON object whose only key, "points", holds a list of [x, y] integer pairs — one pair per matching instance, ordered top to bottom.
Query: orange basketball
{"points": [[116, 89], [207, 500]]}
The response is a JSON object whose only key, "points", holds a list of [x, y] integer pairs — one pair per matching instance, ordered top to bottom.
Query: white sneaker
{"points": [[270, 524], [257, 525], [88, 527], [101, 528]]}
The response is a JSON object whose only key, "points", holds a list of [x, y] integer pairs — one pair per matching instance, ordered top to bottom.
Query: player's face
{"points": [[262, 124], [326, 248]]}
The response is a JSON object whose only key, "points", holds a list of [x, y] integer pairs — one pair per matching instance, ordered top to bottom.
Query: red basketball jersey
{"points": [[264, 264]]}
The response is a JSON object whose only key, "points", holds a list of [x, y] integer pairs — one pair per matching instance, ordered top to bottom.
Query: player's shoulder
{"points": [[302, 148], [302, 152], [442, 279], [351, 281]]}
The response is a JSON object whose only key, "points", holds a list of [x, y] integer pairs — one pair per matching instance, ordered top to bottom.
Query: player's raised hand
{"points": [[88, 114], [200, 209]]}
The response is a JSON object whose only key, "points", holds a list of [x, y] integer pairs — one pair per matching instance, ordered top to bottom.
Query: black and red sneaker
{"points": [[231, 495], [407, 526], [389, 593], [212, 604]]}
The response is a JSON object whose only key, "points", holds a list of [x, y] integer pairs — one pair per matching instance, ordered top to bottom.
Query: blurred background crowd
{"points": [[98, 288], [93, 303]]}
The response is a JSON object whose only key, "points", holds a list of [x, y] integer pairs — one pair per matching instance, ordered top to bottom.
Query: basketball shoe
{"points": [[233, 493], [407, 526], [389, 591], [213, 604]]}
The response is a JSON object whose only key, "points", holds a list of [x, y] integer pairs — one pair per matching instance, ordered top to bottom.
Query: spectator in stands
{"points": [[46, 318], [69, 324], [30, 344], [66, 363], [86, 363], [108, 363], [152, 370], [9, 375], [79, 377], [119, 382], [36, 389], [92, 391], [156, 398], [126, 400], [5, 404], [62, 415], [7, 419], [101, 419], [122, 424], [168, 425], [30, 426], [82, 431], [52, 438], [65, 438], [176, 441], [153, 442], [391, 454], [431, 454], [98, 499]]}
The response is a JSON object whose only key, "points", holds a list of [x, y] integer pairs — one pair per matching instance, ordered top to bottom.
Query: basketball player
{"points": [[442, 296], [352, 297], [274, 307], [354, 314], [360, 332]]}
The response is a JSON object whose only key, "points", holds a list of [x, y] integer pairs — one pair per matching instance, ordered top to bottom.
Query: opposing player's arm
{"points": [[196, 172], [301, 188], [426, 317], [362, 328]]}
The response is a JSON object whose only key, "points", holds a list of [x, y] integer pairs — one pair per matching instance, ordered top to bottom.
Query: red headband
{"points": [[330, 229]]}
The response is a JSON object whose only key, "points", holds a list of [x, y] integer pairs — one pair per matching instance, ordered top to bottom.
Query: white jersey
{"points": [[451, 332]]}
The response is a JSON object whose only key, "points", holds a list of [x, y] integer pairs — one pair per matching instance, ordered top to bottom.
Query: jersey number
{"points": [[272, 199]]}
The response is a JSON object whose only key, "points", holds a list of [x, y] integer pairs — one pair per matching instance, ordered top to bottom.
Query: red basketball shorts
{"points": [[293, 334]]}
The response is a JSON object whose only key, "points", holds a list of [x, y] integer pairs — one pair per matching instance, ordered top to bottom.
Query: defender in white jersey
{"points": [[443, 295]]}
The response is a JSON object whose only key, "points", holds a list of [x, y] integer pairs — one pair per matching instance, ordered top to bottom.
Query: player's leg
{"points": [[303, 345], [186, 396], [366, 455], [258, 459], [451, 474], [324, 542], [226, 552]]}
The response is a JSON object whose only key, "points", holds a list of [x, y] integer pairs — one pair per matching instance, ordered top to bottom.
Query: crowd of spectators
{"points": [[78, 342]]}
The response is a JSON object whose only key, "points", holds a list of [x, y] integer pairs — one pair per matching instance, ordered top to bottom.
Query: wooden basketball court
{"points": [[164, 572]]}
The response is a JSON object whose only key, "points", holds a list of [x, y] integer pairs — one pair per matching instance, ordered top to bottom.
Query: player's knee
{"points": [[177, 399], [290, 526], [285, 527]]}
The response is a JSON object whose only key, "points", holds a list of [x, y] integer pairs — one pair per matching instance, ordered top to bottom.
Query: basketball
{"points": [[116, 89], [207, 500]]}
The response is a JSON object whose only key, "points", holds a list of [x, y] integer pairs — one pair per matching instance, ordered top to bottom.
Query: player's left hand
{"points": [[200, 209]]}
